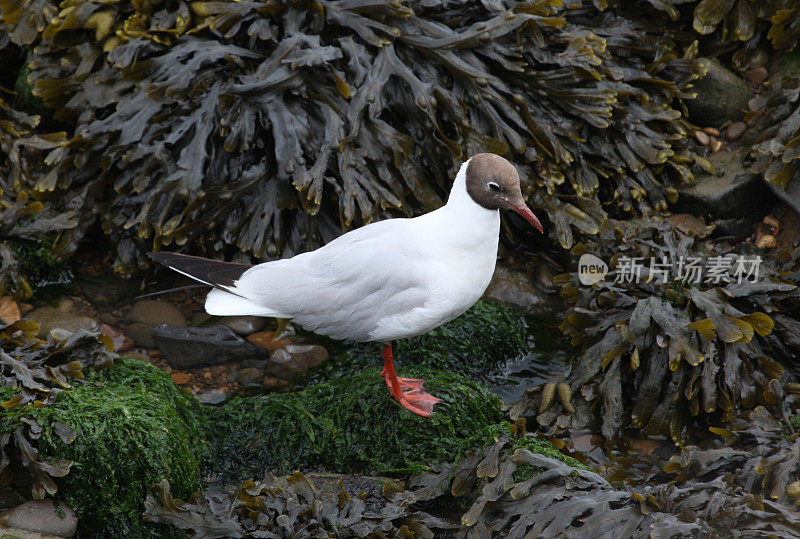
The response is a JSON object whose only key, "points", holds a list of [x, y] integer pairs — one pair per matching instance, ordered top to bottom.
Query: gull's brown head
{"points": [[493, 182]]}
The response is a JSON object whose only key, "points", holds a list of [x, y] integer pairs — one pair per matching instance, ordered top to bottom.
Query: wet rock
{"points": [[759, 58], [757, 75], [721, 96], [735, 131], [701, 137], [751, 137], [733, 192], [790, 194], [689, 224], [738, 228], [517, 290], [107, 292], [65, 304], [25, 308], [9, 310], [154, 312], [50, 318], [200, 318], [244, 325], [141, 334], [121, 341], [267, 341], [187, 347], [294, 360], [260, 364], [249, 375], [181, 378], [270, 383], [213, 396], [44, 516]]}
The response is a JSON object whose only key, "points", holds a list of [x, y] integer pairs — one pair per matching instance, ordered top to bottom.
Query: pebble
{"points": [[759, 58], [757, 75], [713, 131], [735, 131], [701, 137], [716, 145], [65, 304], [25, 308], [9, 310], [154, 312], [50, 318], [244, 325], [141, 334], [121, 341], [267, 341], [188, 347], [294, 360], [181, 378], [271, 382], [214, 396], [44, 516]]}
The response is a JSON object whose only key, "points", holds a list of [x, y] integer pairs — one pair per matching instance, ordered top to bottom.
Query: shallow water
{"points": [[549, 355]]}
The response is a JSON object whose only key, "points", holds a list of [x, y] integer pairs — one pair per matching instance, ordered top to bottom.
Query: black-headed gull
{"points": [[388, 280]]}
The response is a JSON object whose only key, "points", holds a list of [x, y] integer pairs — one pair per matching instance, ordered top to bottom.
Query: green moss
{"points": [[25, 98], [36, 264], [476, 345], [795, 421], [348, 425], [134, 427]]}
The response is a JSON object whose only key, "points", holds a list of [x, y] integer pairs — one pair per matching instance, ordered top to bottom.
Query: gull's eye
{"points": [[493, 187]]}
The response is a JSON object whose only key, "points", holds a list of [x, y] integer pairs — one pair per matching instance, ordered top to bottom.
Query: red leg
{"points": [[407, 391]]}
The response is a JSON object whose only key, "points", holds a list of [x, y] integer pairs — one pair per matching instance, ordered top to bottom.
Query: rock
{"points": [[759, 58], [785, 65], [757, 75], [721, 95], [711, 131], [735, 131], [701, 137], [751, 137], [716, 145], [733, 192], [790, 194], [689, 224], [738, 228], [516, 289], [107, 292], [65, 304], [25, 308], [9, 310], [154, 312], [50, 318], [200, 318], [244, 325], [141, 334], [267, 340], [121, 341], [188, 347], [141, 356], [294, 360], [260, 364], [249, 376], [181, 378], [271, 382], [213, 396], [44, 516]]}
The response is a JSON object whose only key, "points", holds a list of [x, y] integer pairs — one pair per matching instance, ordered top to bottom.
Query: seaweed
{"points": [[270, 127], [689, 353]]}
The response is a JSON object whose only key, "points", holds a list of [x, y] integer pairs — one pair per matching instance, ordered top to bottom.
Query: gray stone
{"points": [[721, 96], [751, 137], [732, 193], [790, 194], [740, 229], [517, 290], [107, 292], [156, 312], [50, 318], [244, 325], [141, 335], [188, 347], [294, 360], [260, 364], [249, 376], [213, 396], [44, 516]]}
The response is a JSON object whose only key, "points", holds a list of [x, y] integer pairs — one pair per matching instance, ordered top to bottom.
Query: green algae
{"points": [[476, 345], [348, 425], [134, 427]]}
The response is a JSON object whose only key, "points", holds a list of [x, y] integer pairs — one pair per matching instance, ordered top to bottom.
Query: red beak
{"points": [[528, 215]]}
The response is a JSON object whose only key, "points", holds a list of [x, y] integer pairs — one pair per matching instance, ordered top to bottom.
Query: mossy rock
{"points": [[476, 345], [348, 425], [134, 427]]}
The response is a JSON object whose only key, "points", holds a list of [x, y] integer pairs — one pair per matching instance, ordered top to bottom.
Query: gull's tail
{"points": [[223, 299]]}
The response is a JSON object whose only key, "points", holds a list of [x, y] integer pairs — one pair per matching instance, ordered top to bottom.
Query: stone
{"points": [[759, 58], [785, 64], [757, 75], [721, 95], [735, 131], [701, 137], [751, 137], [716, 145], [733, 192], [789, 194], [689, 224], [738, 228], [517, 290], [107, 292], [65, 304], [25, 308], [9, 310], [154, 312], [50, 318], [200, 318], [244, 325], [141, 334], [267, 340], [189, 347], [294, 360], [260, 364], [249, 376], [181, 378], [271, 382], [213, 396], [44, 516]]}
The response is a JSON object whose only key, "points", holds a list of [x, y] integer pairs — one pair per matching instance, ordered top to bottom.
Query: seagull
{"points": [[387, 280]]}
